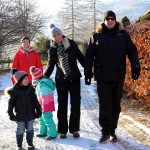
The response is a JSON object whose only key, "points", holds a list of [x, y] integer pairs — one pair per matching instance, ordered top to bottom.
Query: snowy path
{"points": [[90, 129]]}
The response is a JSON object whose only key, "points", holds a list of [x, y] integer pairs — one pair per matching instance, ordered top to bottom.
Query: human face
{"points": [[110, 22], [57, 38], [25, 43], [25, 81]]}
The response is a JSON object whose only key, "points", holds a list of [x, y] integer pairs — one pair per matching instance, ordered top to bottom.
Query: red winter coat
{"points": [[23, 61]]}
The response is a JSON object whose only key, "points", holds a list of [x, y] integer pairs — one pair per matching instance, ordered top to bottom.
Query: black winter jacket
{"points": [[108, 50], [74, 54], [24, 101]]}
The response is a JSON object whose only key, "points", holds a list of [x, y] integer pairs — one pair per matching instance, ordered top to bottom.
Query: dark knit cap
{"points": [[109, 13], [25, 37], [18, 75]]}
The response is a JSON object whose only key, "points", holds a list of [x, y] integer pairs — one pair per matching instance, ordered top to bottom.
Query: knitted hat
{"points": [[109, 13], [54, 30], [25, 37], [36, 74], [18, 75]]}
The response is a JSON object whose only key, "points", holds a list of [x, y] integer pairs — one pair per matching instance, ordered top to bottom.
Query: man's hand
{"points": [[136, 73]]}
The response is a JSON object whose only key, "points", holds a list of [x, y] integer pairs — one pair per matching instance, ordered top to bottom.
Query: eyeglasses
{"points": [[112, 19]]}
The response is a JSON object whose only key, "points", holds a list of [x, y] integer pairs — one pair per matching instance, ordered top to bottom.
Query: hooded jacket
{"points": [[108, 49], [24, 60], [44, 91], [24, 101]]}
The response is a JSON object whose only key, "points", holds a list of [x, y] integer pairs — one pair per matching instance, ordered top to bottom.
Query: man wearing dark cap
{"points": [[107, 50]]}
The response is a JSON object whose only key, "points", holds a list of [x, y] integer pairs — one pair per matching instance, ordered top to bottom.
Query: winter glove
{"points": [[136, 72], [87, 80], [14, 118]]}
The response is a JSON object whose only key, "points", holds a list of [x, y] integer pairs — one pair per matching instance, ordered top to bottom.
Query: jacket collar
{"points": [[103, 29]]}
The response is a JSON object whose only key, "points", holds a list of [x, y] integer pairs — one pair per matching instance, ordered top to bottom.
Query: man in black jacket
{"points": [[107, 50], [64, 53]]}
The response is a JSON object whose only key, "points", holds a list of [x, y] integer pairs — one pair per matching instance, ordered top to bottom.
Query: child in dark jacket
{"points": [[44, 91], [23, 101]]}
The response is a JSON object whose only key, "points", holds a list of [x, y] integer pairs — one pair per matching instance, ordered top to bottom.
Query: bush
{"points": [[140, 33], [42, 45]]}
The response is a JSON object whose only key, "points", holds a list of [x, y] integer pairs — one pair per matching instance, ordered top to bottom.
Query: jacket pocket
{"points": [[98, 71], [121, 71]]}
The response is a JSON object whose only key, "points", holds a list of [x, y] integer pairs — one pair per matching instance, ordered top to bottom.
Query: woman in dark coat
{"points": [[64, 53]]}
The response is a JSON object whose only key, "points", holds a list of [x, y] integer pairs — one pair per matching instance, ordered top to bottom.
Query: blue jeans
{"points": [[22, 126]]}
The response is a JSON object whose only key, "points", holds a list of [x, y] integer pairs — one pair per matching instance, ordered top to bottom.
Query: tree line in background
{"points": [[18, 18], [77, 19]]}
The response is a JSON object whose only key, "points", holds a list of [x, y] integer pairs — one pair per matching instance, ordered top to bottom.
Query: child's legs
{"points": [[49, 122], [43, 128], [29, 132], [19, 133]]}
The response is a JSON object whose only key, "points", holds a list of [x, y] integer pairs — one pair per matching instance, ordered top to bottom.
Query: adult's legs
{"points": [[62, 92], [117, 95], [75, 101], [105, 105]]}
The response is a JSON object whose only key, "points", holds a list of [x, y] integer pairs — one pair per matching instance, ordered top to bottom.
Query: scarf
{"points": [[26, 50], [63, 56]]}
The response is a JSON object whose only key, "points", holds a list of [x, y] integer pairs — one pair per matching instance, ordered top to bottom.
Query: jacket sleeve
{"points": [[132, 52], [90, 55], [80, 56], [39, 63], [15, 64], [50, 64], [37, 104], [11, 105]]}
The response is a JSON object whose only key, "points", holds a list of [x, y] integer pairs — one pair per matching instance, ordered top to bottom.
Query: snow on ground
{"points": [[89, 133]]}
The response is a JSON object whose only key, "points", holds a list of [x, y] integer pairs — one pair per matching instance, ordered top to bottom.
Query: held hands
{"points": [[136, 72], [88, 76], [87, 80], [39, 113]]}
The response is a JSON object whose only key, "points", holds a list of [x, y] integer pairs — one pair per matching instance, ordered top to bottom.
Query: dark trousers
{"points": [[63, 88], [110, 94]]}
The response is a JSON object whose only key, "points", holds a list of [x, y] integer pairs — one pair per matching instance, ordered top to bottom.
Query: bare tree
{"points": [[18, 18], [70, 18], [79, 18]]}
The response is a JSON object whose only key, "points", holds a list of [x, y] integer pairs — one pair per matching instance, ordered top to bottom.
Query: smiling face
{"points": [[110, 22], [57, 37], [25, 43], [25, 81]]}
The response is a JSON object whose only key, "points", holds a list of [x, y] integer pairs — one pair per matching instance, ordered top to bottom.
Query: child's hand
{"points": [[39, 113], [14, 118]]}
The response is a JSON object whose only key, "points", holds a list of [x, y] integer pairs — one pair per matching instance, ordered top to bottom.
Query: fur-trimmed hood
{"points": [[100, 27], [8, 91]]}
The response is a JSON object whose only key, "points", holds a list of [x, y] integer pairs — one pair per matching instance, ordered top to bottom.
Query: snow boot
{"points": [[76, 134], [63, 136], [29, 138], [104, 138], [114, 138], [19, 139], [31, 148]]}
